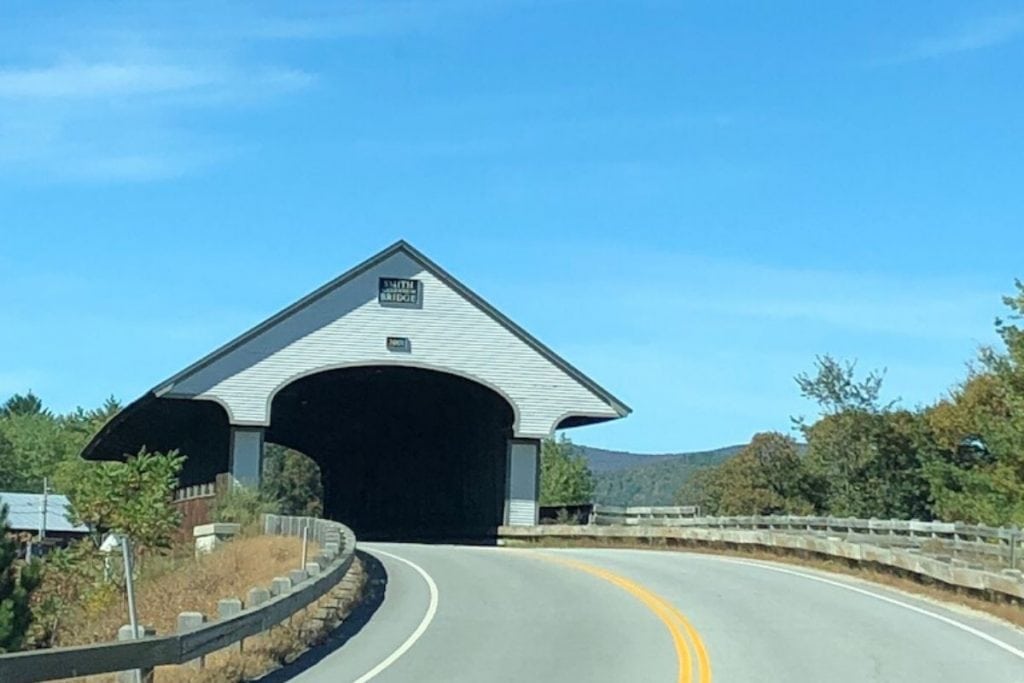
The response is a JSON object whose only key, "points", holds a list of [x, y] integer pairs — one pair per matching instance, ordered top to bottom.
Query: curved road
{"points": [[610, 616]]}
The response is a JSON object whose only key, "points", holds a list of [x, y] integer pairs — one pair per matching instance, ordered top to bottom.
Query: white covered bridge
{"points": [[423, 405]]}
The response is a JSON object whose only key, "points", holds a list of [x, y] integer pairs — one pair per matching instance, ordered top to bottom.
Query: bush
{"points": [[242, 505]]}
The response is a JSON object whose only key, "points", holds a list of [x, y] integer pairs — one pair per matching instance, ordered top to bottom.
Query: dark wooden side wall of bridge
{"points": [[198, 510]]}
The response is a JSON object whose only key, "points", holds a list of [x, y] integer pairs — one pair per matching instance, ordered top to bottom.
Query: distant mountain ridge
{"points": [[623, 478]]}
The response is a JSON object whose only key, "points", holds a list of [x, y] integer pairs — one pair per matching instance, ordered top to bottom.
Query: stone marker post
{"points": [[227, 608], [190, 621], [135, 675]]}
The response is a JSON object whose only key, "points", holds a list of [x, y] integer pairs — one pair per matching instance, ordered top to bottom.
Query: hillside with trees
{"points": [[631, 479]]}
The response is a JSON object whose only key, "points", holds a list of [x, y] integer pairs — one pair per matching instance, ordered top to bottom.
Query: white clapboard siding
{"points": [[348, 327], [522, 512]]}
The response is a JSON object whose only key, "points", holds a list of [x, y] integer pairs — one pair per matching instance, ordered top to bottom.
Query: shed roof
{"points": [[24, 512]]}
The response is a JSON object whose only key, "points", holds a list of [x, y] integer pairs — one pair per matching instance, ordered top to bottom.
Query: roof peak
{"points": [[400, 246]]}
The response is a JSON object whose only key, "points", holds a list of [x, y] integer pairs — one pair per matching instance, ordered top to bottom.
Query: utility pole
{"points": [[42, 522], [129, 584]]}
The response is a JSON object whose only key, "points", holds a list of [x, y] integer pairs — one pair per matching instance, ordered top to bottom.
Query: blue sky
{"points": [[687, 200]]}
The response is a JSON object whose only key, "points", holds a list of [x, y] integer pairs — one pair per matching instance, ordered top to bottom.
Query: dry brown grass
{"points": [[246, 562], [886, 576], [168, 586], [262, 654]]}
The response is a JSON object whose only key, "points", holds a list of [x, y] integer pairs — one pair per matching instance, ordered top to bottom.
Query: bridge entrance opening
{"points": [[405, 452]]}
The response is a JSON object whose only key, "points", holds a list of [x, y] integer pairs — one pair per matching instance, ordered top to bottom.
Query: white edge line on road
{"points": [[899, 603], [420, 630]]}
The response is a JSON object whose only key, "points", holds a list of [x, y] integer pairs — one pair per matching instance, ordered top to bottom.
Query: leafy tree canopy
{"points": [[767, 477], [565, 478], [292, 479], [132, 497]]}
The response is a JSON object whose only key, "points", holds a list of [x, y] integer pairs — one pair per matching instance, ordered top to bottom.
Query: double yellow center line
{"points": [[684, 635]]}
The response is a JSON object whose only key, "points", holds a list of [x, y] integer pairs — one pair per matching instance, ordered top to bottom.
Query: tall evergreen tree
{"points": [[23, 404], [17, 581]]}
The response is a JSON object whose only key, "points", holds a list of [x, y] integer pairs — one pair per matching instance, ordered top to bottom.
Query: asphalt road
{"points": [[491, 614]]}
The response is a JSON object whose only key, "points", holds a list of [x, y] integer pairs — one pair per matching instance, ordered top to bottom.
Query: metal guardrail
{"points": [[338, 545], [1000, 545]]}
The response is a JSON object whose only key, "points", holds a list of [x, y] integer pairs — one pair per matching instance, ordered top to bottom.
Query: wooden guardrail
{"points": [[338, 546], [1002, 546], [1003, 584]]}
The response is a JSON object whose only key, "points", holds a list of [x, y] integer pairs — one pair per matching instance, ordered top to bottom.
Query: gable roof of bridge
{"points": [[402, 247]]}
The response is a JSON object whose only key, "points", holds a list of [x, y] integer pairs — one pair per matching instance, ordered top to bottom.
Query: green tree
{"points": [[835, 388], [23, 404], [33, 444], [36, 444], [864, 458], [865, 464], [976, 468], [767, 477], [565, 478], [293, 480], [702, 488], [134, 497], [242, 505], [72, 581], [16, 586]]}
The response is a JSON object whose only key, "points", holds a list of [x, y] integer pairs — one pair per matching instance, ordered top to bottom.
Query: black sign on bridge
{"points": [[400, 293]]}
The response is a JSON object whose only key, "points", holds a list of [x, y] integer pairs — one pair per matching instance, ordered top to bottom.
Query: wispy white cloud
{"points": [[977, 35], [78, 80], [114, 98], [117, 119]]}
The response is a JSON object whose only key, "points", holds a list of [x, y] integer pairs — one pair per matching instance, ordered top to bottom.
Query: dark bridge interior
{"points": [[405, 453]]}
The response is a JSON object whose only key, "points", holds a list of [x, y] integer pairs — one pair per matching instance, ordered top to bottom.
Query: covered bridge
{"points": [[422, 404]]}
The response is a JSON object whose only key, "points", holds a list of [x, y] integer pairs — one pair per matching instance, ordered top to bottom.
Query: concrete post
{"points": [[247, 455], [208, 537], [1015, 539], [312, 568], [297, 576], [280, 585], [256, 597], [227, 608], [190, 621], [135, 675]]}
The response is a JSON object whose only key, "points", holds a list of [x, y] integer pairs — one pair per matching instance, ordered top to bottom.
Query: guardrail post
{"points": [[1015, 539], [256, 597], [227, 608], [190, 621], [135, 675]]}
